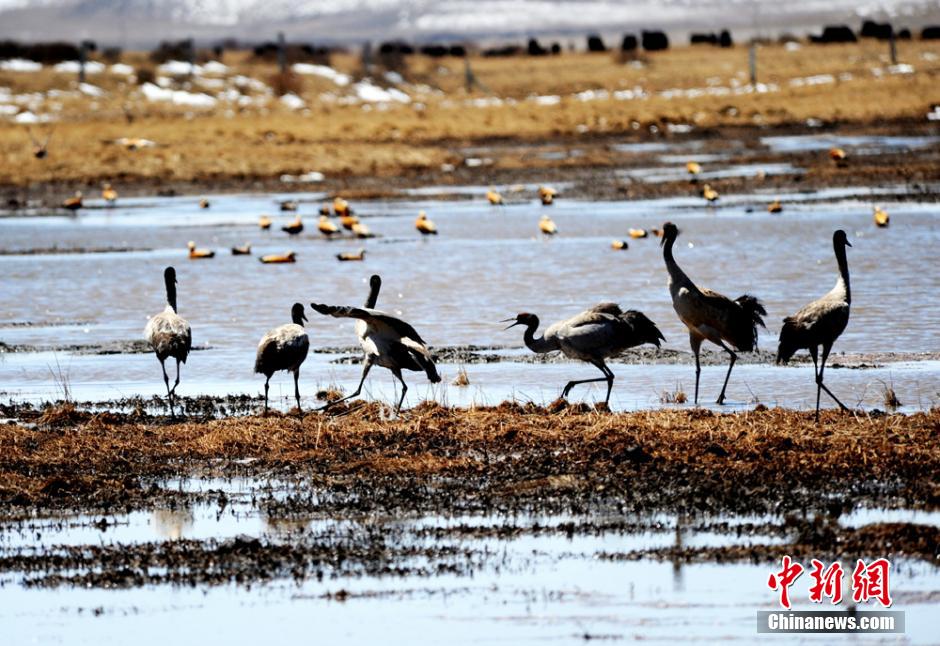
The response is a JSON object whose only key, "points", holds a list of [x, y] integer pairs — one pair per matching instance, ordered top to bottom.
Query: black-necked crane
{"points": [[109, 194], [547, 194], [710, 194], [494, 197], [73, 203], [880, 216], [264, 222], [424, 225], [547, 226], [294, 227], [326, 227], [243, 250], [198, 254], [347, 256], [278, 258], [709, 315], [821, 322], [169, 334], [596, 334], [387, 341], [284, 348]]}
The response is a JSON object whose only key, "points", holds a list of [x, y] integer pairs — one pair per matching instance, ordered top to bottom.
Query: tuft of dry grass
{"points": [[462, 379], [677, 396]]}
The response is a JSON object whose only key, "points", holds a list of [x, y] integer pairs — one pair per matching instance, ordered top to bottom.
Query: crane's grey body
{"points": [[711, 316], [820, 322], [169, 334], [594, 335], [387, 341], [284, 348]]}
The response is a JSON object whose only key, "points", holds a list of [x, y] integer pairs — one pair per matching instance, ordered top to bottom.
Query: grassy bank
{"points": [[571, 97]]}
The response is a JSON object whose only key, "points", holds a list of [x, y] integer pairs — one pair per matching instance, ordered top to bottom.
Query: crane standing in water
{"points": [[710, 315], [821, 322], [169, 334], [595, 334]]}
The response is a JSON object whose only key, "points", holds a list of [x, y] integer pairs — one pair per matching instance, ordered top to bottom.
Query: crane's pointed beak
{"points": [[848, 243], [515, 322]]}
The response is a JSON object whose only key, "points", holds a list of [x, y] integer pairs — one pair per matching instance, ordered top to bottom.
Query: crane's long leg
{"points": [[695, 342], [813, 351], [734, 357], [366, 367], [608, 377], [166, 378], [819, 378], [177, 382], [267, 382], [404, 389], [297, 391]]}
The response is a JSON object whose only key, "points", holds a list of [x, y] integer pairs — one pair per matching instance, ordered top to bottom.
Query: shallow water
{"points": [[487, 264], [534, 587]]}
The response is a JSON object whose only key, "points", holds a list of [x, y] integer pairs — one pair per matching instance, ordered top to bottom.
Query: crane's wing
{"points": [[373, 317]]}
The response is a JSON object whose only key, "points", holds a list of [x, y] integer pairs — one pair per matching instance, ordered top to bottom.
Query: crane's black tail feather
{"points": [[746, 326], [644, 330], [790, 341]]}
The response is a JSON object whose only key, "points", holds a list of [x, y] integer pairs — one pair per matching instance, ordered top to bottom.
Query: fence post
{"points": [[892, 47], [281, 52], [82, 57], [752, 62]]}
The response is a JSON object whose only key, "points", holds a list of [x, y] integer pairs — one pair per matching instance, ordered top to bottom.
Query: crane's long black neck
{"points": [[843, 269], [676, 275], [374, 287], [170, 291], [297, 316], [536, 344]]}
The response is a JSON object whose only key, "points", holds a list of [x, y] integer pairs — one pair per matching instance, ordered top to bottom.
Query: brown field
{"points": [[228, 144], [510, 455]]}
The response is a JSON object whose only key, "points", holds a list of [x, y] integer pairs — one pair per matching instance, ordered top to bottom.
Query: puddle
{"points": [[861, 145], [657, 175]]}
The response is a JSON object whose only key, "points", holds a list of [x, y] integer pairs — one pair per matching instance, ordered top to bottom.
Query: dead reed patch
{"points": [[691, 454]]}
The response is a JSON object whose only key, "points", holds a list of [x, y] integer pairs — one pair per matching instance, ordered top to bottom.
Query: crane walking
{"points": [[709, 315], [821, 322], [598, 333], [169, 334], [386, 340], [284, 348]]}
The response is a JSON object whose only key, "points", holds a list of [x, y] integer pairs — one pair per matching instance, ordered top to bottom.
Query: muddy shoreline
{"points": [[591, 174]]}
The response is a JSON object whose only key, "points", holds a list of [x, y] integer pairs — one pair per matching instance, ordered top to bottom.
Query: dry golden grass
{"points": [[206, 145], [84, 458]]}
